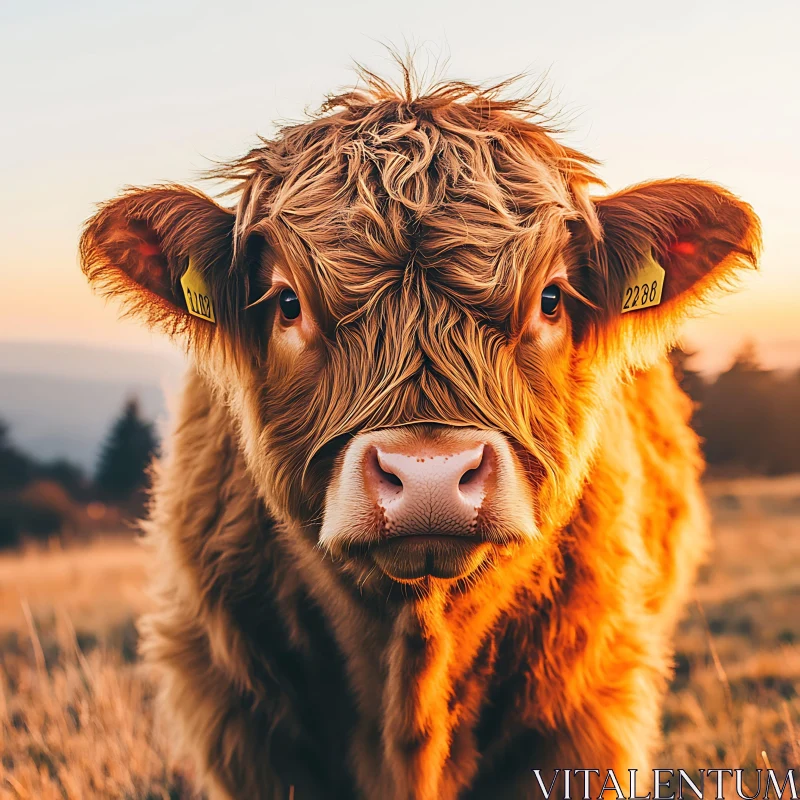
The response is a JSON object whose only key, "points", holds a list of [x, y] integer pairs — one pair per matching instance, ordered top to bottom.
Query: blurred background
{"points": [[99, 96]]}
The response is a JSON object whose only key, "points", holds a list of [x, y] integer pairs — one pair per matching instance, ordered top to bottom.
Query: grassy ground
{"points": [[735, 699], [76, 712], [76, 715]]}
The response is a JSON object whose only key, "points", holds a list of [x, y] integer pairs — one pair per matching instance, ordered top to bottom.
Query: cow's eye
{"points": [[551, 299], [289, 303]]}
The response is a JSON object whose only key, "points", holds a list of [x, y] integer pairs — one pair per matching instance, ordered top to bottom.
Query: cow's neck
{"points": [[419, 674]]}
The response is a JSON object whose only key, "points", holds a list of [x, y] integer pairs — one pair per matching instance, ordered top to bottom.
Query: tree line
{"points": [[748, 417], [40, 499]]}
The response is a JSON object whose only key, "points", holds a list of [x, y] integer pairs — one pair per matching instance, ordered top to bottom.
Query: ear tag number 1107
{"points": [[197, 294]]}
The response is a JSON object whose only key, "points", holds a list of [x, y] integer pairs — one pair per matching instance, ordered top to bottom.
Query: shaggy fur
{"points": [[418, 233]]}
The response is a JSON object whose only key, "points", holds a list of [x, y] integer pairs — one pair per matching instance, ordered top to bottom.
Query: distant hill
{"points": [[59, 400]]}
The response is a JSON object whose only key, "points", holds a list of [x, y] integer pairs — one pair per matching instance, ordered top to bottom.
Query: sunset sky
{"points": [[97, 96]]}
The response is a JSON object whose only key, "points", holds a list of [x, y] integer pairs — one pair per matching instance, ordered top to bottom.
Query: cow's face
{"points": [[418, 319]]}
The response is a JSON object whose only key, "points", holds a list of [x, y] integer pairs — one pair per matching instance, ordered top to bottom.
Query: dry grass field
{"points": [[76, 717]]}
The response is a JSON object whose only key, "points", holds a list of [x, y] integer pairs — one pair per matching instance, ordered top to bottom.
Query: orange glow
{"points": [[683, 248], [149, 249]]}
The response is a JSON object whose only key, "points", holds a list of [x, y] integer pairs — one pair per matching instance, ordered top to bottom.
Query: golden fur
{"points": [[418, 233]]}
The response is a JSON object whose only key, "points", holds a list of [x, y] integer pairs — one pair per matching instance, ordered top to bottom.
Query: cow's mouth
{"points": [[411, 558]]}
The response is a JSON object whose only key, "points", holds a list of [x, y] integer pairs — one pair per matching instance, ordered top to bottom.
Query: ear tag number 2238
{"points": [[644, 289], [197, 294]]}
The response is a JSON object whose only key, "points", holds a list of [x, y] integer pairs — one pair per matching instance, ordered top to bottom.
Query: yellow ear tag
{"points": [[645, 287], [198, 297]]}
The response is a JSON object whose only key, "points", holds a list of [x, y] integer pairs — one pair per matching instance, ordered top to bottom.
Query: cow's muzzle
{"points": [[427, 500]]}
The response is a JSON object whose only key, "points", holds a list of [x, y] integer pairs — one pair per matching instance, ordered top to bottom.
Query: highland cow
{"points": [[431, 505]]}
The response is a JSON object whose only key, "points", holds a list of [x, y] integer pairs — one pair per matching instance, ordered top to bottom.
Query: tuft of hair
{"points": [[397, 174]]}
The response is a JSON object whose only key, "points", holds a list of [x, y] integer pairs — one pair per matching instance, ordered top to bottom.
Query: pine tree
{"points": [[737, 418], [126, 454], [16, 468]]}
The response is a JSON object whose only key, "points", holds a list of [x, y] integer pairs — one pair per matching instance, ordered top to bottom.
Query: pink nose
{"points": [[431, 493]]}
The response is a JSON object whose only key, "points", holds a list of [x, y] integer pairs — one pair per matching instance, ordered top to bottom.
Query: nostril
{"points": [[473, 466], [383, 471], [467, 476], [389, 477], [472, 483]]}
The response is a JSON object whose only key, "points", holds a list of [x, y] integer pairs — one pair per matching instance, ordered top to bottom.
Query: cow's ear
{"points": [[666, 248], [167, 253]]}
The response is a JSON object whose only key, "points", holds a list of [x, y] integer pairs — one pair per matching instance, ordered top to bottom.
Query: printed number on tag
{"points": [[644, 289], [198, 296]]}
